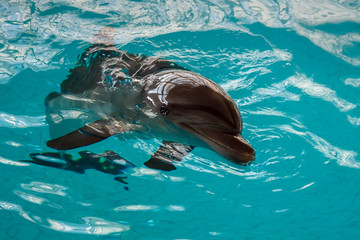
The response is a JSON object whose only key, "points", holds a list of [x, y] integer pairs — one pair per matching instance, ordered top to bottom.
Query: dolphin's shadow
{"points": [[108, 162]]}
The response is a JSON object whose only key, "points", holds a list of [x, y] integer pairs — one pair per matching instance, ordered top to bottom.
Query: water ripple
{"points": [[297, 14], [45, 23], [264, 52], [355, 82], [317, 90], [14, 121], [342, 157], [13, 163], [42, 187], [303, 187], [8, 206], [135, 208], [90, 225]]}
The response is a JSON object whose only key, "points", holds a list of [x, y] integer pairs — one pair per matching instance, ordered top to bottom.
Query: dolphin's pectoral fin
{"points": [[89, 134], [173, 151], [167, 153], [161, 164]]}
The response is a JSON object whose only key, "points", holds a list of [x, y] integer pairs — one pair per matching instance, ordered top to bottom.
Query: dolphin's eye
{"points": [[164, 111]]}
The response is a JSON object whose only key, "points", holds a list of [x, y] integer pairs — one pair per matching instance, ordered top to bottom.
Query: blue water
{"points": [[293, 68]]}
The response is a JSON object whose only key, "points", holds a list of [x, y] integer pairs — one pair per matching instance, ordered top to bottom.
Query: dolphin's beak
{"points": [[231, 146]]}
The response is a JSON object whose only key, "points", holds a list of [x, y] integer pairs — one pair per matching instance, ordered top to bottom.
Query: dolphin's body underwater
{"points": [[111, 92]]}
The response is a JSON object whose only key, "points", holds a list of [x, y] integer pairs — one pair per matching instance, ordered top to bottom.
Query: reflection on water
{"points": [[46, 24], [355, 82], [317, 90], [12, 121], [343, 157], [13, 163], [42, 187], [31, 198], [15, 208], [148, 208], [90, 225]]}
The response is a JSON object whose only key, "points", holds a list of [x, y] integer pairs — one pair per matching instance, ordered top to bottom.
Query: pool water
{"points": [[292, 67]]}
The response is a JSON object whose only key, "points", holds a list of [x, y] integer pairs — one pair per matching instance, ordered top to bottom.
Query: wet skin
{"points": [[111, 92]]}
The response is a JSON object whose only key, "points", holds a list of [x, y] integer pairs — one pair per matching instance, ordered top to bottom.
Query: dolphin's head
{"points": [[201, 107]]}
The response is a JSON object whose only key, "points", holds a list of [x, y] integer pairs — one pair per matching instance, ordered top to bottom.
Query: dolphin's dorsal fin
{"points": [[89, 134], [167, 153]]}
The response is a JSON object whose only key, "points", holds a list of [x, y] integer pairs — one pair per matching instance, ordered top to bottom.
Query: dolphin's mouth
{"points": [[231, 146]]}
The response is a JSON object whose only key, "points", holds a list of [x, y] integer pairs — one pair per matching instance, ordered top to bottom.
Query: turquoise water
{"points": [[293, 68]]}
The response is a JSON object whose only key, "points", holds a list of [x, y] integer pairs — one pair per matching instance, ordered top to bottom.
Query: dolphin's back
{"points": [[109, 67], [91, 68]]}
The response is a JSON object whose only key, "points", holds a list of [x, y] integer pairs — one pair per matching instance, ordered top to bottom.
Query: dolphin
{"points": [[112, 92]]}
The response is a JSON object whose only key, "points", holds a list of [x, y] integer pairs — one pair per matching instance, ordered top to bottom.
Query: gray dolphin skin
{"points": [[111, 92]]}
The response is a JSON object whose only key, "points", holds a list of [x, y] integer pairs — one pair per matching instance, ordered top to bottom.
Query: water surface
{"points": [[293, 68]]}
